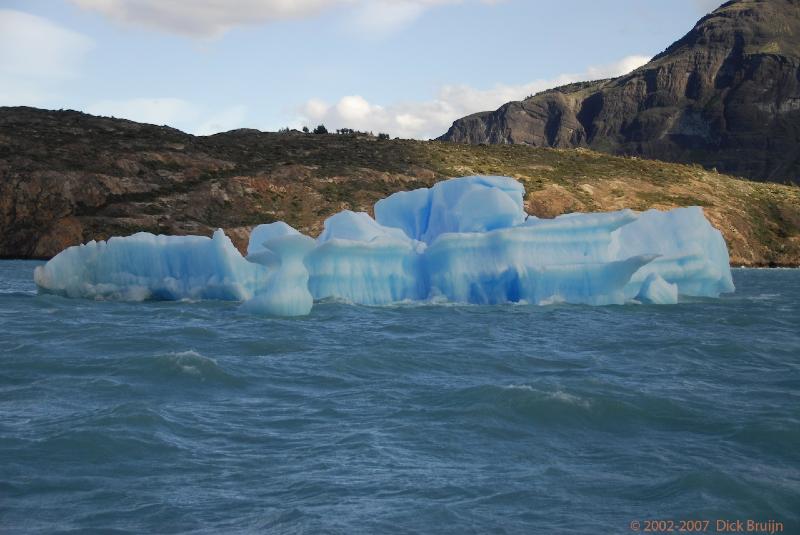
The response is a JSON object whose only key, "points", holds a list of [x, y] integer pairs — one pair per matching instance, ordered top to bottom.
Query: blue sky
{"points": [[407, 67]]}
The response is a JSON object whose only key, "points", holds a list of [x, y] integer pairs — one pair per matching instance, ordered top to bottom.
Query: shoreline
{"points": [[733, 266]]}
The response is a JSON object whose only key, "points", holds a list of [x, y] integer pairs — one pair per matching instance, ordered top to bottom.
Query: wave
{"points": [[192, 365], [557, 395]]}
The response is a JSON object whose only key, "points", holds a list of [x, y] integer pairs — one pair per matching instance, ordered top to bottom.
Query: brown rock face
{"points": [[726, 96]]}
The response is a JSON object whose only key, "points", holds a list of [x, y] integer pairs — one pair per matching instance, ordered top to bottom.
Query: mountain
{"points": [[726, 96], [68, 177]]}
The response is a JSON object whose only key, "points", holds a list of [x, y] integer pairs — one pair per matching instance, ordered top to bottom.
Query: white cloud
{"points": [[378, 17], [204, 18], [212, 18], [36, 57], [611, 70], [316, 108], [355, 108], [174, 112], [431, 118]]}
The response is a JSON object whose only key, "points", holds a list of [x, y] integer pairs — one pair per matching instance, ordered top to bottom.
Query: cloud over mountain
{"points": [[429, 118]]}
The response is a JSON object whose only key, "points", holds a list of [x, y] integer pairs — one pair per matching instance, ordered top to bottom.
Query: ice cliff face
{"points": [[463, 240]]}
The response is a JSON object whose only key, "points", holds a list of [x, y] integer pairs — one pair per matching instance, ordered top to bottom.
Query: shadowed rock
{"points": [[726, 96]]}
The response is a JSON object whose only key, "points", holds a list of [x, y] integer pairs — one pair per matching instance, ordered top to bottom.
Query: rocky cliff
{"points": [[726, 96], [67, 178]]}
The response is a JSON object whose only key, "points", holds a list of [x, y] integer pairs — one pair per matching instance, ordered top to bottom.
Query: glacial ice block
{"points": [[466, 204], [358, 226], [267, 232], [576, 238], [465, 240], [283, 250], [692, 253], [360, 261], [520, 265], [144, 266], [657, 291]]}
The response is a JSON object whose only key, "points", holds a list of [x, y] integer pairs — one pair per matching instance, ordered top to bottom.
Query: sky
{"points": [[405, 67]]}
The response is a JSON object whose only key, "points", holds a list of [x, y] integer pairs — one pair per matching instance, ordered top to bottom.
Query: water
{"points": [[174, 417]]}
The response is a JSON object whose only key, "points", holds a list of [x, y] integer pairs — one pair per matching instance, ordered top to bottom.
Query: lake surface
{"points": [[173, 417]]}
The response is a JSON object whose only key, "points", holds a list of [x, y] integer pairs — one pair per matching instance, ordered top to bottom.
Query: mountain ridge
{"points": [[726, 96]]}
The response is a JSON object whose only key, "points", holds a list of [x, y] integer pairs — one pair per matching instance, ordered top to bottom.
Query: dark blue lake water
{"points": [[176, 417]]}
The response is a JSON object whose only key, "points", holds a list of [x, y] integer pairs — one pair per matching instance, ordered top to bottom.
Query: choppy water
{"points": [[174, 417]]}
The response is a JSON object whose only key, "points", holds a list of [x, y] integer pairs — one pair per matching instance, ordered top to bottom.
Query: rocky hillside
{"points": [[726, 96], [68, 177]]}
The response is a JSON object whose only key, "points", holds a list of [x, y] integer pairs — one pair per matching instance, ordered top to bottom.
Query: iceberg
{"points": [[466, 204], [465, 240], [282, 250], [692, 253], [144, 266], [657, 291]]}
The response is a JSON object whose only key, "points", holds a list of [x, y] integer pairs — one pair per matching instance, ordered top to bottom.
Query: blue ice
{"points": [[464, 240]]}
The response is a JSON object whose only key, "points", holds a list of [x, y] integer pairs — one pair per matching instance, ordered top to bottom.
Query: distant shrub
{"points": [[305, 129], [321, 129], [284, 130], [352, 132], [382, 135]]}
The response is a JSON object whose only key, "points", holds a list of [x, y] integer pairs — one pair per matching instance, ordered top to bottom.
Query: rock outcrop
{"points": [[726, 96]]}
